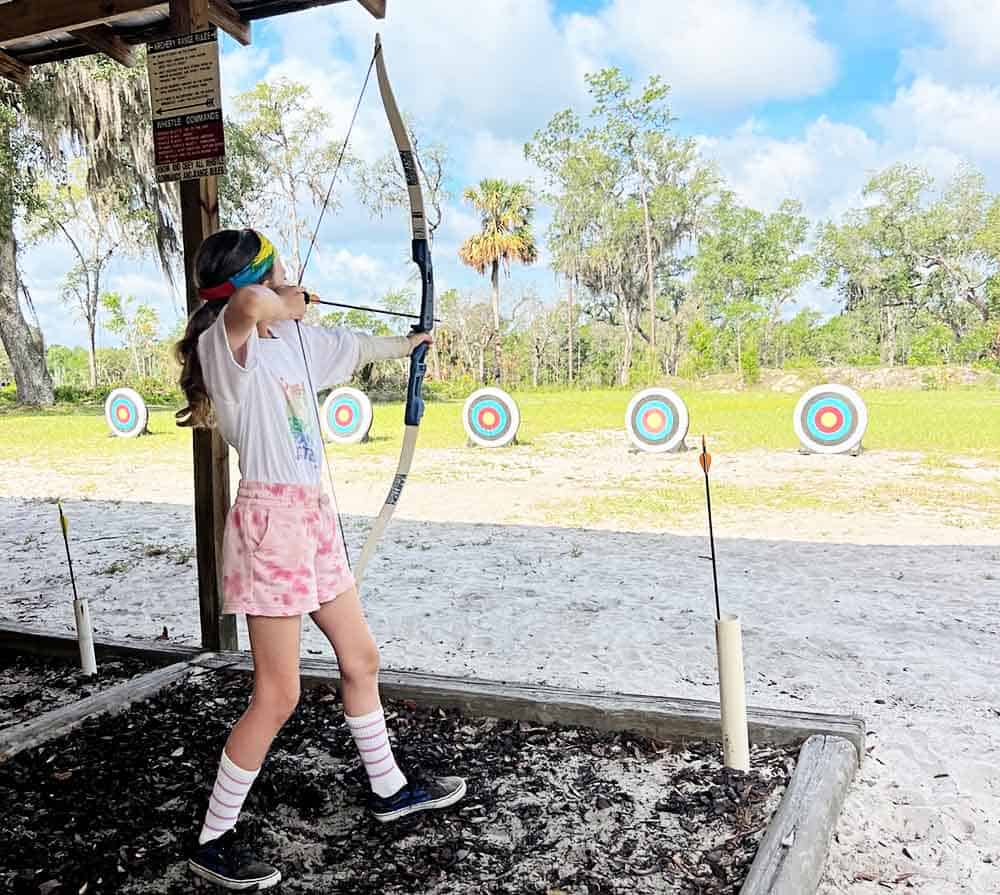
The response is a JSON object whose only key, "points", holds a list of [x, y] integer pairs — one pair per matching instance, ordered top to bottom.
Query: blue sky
{"points": [[792, 98]]}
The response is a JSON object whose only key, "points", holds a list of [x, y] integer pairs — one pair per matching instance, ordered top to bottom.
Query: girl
{"points": [[243, 371]]}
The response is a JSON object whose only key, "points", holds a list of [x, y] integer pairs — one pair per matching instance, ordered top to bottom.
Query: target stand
{"points": [[125, 413], [347, 416], [491, 418], [830, 419], [656, 422]]}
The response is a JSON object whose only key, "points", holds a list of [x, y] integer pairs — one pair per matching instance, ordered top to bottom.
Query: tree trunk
{"points": [[650, 285], [570, 330], [23, 343], [92, 349], [497, 355], [625, 370]]}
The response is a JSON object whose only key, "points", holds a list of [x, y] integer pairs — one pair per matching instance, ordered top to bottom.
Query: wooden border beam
{"points": [[375, 7], [224, 17], [29, 18], [104, 40], [14, 70]]}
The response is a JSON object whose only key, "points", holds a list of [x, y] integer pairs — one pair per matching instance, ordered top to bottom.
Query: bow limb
{"points": [[421, 254]]}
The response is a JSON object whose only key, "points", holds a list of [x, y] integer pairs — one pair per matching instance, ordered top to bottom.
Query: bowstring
{"points": [[305, 360]]}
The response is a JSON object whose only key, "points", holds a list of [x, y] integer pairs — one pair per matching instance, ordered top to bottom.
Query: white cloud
{"points": [[969, 44], [727, 53], [960, 119]]}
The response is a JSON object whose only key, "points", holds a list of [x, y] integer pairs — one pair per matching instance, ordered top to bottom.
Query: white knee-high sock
{"points": [[372, 740], [232, 784]]}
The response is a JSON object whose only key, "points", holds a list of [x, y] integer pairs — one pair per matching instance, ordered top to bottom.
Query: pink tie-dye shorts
{"points": [[282, 552]]}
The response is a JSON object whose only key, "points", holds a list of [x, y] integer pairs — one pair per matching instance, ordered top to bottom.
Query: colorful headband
{"points": [[254, 272]]}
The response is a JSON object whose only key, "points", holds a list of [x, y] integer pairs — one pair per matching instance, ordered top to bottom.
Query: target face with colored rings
{"points": [[125, 413], [347, 416], [491, 418], [830, 419], [656, 420]]}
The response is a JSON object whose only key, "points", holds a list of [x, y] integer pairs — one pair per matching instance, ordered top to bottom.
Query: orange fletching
{"points": [[705, 461]]}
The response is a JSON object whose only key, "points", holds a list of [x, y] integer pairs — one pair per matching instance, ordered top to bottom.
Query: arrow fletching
{"points": [[704, 458], [63, 521]]}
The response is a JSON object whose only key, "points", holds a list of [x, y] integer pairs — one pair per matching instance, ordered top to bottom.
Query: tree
{"points": [[278, 157], [382, 185], [626, 192], [96, 225], [505, 236], [748, 266], [138, 326], [22, 342]]}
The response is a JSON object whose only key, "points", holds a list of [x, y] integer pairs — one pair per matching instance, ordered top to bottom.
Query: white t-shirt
{"points": [[263, 407]]}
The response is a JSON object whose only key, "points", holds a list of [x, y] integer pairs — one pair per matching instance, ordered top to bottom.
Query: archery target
{"points": [[125, 413], [347, 416], [491, 418], [830, 419], [656, 420]]}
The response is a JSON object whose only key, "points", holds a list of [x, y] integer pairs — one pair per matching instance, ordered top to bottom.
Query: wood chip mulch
{"points": [[552, 810]]}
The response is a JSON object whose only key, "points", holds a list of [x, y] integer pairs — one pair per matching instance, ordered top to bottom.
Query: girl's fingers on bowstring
{"points": [[294, 298]]}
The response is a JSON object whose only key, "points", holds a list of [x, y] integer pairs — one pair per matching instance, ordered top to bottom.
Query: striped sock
{"points": [[372, 740], [231, 787]]}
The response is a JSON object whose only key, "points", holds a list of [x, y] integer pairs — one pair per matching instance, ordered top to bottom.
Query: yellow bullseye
{"points": [[828, 420]]}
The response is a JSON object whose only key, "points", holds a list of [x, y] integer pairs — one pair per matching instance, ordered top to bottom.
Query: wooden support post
{"points": [[104, 40], [14, 70], [200, 218]]}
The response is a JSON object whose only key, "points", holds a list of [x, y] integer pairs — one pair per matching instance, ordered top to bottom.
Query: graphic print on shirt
{"points": [[300, 422]]}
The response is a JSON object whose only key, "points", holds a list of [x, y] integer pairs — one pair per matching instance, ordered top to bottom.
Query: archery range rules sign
{"points": [[186, 96]]}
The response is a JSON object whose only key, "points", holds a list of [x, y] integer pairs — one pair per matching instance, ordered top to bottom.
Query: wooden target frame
{"points": [[125, 413], [346, 416], [491, 418], [830, 419], [657, 421]]}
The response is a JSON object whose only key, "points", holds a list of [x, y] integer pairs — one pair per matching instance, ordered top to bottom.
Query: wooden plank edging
{"points": [[658, 717], [63, 720], [791, 857]]}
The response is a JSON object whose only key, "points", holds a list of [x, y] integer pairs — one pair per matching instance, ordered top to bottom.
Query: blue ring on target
{"points": [[846, 415], [502, 417], [355, 421], [128, 424], [668, 426]]}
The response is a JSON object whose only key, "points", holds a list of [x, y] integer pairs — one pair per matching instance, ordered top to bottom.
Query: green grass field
{"points": [[957, 421]]}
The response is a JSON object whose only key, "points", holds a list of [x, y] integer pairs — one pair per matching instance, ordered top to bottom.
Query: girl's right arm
{"points": [[251, 305]]}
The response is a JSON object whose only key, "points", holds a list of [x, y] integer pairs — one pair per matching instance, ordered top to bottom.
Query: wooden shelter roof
{"points": [[37, 31]]}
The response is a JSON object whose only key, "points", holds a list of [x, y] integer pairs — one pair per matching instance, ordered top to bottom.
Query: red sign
{"points": [[189, 146]]}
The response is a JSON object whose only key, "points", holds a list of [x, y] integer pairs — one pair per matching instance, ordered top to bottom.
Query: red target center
{"points": [[123, 413], [343, 415], [488, 418], [828, 419], [654, 420]]}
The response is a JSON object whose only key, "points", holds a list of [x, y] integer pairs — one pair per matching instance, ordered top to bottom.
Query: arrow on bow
{"points": [[421, 255]]}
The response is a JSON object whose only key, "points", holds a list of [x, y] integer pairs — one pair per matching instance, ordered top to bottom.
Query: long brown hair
{"points": [[220, 256]]}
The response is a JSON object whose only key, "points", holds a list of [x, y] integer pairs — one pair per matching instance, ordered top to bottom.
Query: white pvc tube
{"points": [[85, 636], [732, 693]]}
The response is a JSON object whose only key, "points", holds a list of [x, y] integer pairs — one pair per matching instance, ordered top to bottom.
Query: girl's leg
{"points": [[343, 623], [275, 646]]}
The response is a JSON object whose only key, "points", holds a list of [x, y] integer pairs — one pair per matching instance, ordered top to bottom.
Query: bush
{"points": [[800, 363]]}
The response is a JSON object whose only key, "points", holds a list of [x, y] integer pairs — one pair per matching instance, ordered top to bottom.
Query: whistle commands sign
{"points": [[186, 97]]}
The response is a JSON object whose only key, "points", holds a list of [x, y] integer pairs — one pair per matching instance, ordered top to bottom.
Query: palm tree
{"points": [[506, 210]]}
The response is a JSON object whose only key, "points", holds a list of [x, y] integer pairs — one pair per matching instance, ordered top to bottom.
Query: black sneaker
{"points": [[417, 795], [231, 864]]}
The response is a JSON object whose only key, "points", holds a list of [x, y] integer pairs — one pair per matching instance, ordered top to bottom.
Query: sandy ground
{"points": [[887, 608]]}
